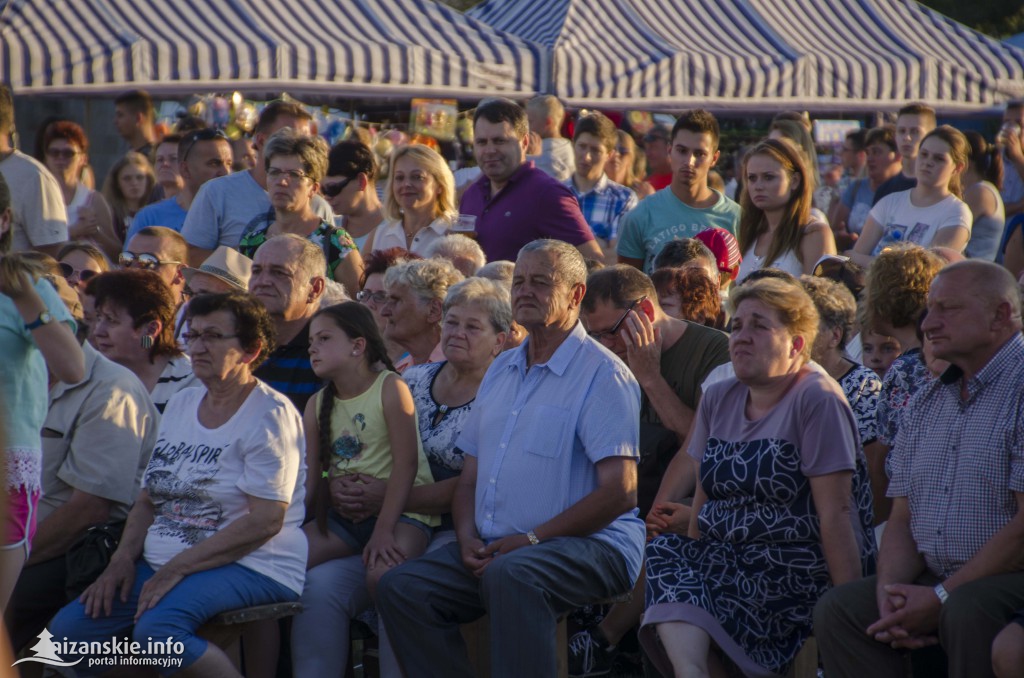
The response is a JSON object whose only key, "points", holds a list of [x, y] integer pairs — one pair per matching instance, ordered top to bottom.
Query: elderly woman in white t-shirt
{"points": [[931, 214], [217, 524]]}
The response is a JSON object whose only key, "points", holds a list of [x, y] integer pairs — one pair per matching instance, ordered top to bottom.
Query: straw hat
{"points": [[225, 264]]}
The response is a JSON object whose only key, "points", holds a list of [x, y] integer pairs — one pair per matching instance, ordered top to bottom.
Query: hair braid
{"points": [[321, 500]]}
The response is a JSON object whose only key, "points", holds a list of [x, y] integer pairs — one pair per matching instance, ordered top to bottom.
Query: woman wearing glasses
{"points": [[295, 166], [619, 167], [350, 188], [127, 189], [420, 200], [89, 216], [373, 293], [134, 327], [216, 526]]}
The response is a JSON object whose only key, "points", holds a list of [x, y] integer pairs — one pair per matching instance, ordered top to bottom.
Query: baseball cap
{"points": [[723, 245]]}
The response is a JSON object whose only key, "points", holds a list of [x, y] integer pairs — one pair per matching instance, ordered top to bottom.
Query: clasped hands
{"points": [[908, 616]]}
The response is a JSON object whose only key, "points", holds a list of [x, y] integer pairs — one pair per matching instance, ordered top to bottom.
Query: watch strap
{"points": [[43, 319]]}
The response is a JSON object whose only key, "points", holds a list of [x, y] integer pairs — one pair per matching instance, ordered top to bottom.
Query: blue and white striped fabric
{"points": [[345, 48], [853, 55]]}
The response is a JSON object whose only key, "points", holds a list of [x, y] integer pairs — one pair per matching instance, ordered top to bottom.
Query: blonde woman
{"points": [[420, 201]]}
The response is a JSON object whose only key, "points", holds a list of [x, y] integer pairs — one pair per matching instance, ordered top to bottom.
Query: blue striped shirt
{"points": [[604, 206], [538, 432]]}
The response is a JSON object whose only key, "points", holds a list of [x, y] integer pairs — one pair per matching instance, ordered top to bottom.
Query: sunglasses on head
{"points": [[205, 134], [333, 189], [146, 260], [841, 270], [68, 272]]}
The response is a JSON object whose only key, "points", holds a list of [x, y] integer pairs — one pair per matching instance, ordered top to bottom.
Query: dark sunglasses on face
{"points": [[206, 134], [332, 190], [146, 260], [68, 271]]}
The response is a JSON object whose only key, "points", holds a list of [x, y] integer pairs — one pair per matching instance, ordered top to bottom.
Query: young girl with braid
{"points": [[362, 424]]}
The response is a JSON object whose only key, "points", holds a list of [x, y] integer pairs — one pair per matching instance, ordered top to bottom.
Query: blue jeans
{"points": [[423, 601], [179, 614]]}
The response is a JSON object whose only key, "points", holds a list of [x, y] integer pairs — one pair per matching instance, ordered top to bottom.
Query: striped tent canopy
{"points": [[319, 48], [826, 55]]}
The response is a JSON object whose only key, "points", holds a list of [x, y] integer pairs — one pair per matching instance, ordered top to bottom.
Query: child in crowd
{"points": [[879, 351], [362, 424]]}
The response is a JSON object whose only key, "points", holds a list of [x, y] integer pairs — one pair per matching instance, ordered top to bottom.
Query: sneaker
{"points": [[587, 657]]}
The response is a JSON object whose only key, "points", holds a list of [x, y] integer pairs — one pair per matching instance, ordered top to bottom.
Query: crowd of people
{"points": [[553, 384]]}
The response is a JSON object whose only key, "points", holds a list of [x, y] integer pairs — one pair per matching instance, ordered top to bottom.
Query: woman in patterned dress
{"points": [[296, 164], [774, 523]]}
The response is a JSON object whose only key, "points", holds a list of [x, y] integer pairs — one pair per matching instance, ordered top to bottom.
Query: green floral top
{"points": [[335, 242]]}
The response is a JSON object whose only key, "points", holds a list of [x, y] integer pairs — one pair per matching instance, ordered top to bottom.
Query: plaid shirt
{"points": [[604, 205], [959, 462]]}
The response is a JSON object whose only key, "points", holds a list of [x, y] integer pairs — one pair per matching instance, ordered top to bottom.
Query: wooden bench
{"points": [[226, 628]]}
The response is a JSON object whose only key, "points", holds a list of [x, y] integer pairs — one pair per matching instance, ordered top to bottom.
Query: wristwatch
{"points": [[44, 319], [532, 536], [942, 593]]}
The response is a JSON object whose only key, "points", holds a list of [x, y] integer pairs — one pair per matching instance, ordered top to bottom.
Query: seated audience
{"points": [[982, 181], [350, 188], [79, 262], [372, 291], [415, 306], [477, 317], [135, 328], [772, 525], [216, 526], [949, 570]]}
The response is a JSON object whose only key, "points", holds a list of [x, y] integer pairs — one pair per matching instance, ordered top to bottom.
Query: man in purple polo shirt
{"points": [[513, 201]]}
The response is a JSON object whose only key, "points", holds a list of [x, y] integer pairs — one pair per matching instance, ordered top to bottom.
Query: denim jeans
{"points": [[178, 615]]}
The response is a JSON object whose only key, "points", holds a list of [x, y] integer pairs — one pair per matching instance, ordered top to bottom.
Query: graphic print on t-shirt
{"points": [[348, 446], [178, 479]]}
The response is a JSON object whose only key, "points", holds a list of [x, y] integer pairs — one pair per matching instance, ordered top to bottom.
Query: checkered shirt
{"points": [[604, 206], [959, 462]]}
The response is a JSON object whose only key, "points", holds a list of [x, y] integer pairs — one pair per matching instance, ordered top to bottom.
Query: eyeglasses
{"points": [[205, 134], [61, 153], [276, 173], [331, 190], [146, 260], [68, 271], [366, 296], [206, 336], [601, 336]]}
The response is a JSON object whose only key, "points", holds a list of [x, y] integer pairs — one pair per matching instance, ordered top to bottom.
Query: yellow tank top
{"points": [[359, 440]]}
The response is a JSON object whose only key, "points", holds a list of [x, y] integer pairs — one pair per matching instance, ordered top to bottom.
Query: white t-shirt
{"points": [[224, 206], [40, 217], [902, 221], [392, 234], [199, 479]]}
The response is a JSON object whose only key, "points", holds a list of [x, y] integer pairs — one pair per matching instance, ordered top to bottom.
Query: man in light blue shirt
{"points": [[545, 508]]}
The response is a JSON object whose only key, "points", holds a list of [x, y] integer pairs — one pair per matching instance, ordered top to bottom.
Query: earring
{"points": [[146, 341]]}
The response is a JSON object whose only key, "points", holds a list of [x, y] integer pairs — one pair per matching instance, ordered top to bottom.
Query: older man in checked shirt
{"points": [[950, 569]]}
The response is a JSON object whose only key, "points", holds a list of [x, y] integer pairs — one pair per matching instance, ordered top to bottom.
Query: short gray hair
{"points": [[311, 150], [454, 245], [570, 266], [500, 271], [429, 279], [488, 295], [835, 303]]}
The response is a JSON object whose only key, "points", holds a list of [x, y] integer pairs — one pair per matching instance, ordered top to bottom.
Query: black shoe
{"points": [[587, 657]]}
